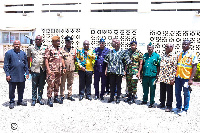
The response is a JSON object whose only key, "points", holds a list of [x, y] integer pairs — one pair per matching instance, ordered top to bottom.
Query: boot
{"points": [[56, 99], [130, 99], [49, 102]]}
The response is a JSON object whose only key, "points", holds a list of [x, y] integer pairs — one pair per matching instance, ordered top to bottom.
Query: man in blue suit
{"points": [[16, 69], [99, 69]]}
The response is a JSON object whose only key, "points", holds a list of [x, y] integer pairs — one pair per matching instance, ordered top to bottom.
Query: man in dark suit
{"points": [[16, 69]]}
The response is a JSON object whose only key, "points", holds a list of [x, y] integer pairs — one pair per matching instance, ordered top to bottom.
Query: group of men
{"points": [[56, 65]]}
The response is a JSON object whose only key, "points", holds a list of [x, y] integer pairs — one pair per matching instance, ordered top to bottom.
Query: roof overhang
{"points": [[17, 29]]}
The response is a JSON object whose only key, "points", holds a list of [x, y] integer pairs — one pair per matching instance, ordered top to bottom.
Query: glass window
{"points": [[5, 37], [13, 37], [24, 39]]}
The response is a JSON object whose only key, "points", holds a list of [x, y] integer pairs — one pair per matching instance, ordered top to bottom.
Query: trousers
{"points": [[69, 75], [97, 76], [115, 80], [53, 81], [85, 81], [38, 82], [146, 83], [131, 84], [179, 85], [166, 88], [20, 90]]}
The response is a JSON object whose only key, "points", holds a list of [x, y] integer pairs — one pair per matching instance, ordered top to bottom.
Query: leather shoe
{"points": [[96, 97], [101, 97], [71, 98], [80, 98], [89, 98], [56, 100], [61, 100], [109, 101], [117, 101], [40, 102], [49, 102], [22, 103], [33, 103], [143, 103], [11, 106], [150, 106], [168, 109]]}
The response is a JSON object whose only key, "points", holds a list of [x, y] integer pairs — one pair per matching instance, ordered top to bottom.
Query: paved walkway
{"points": [[94, 116]]}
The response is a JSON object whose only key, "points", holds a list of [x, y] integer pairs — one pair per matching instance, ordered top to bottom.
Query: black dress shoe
{"points": [[96, 97], [101, 97], [71, 98], [80, 98], [89, 98], [56, 100], [61, 100], [110, 100], [117, 101], [40, 102], [49, 102], [22, 103], [33, 103], [143, 103], [11, 106], [150, 106]]}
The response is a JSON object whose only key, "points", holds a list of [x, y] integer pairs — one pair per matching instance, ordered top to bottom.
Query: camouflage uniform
{"points": [[69, 58], [55, 65], [38, 69], [132, 69]]}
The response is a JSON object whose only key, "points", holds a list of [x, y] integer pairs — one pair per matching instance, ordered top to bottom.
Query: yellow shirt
{"points": [[84, 60]]}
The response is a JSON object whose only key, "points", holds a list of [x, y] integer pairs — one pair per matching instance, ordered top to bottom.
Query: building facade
{"points": [[158, 21]]}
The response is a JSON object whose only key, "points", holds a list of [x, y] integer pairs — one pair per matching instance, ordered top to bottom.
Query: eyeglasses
{"points": [[38, 39]]}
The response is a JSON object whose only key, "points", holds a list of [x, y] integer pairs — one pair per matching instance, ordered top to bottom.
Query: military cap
{"points": [[55, 38], [68, 38], [102, 40], [133, 42], [150, 44]]}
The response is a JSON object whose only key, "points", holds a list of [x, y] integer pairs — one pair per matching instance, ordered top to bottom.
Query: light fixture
{"points": [[24, 14], [59, 14]]}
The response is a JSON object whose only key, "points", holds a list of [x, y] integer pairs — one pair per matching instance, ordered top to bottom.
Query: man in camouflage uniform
{"points": [[69, 59], [54, 62], [38, 69], [133, 71]]}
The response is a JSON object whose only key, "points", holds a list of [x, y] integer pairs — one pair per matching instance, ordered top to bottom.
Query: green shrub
{"points": [[197, 75]]}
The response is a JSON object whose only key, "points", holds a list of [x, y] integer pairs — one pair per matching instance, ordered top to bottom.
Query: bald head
{"points": [[17, 42], [86, 44], [16, 45]]}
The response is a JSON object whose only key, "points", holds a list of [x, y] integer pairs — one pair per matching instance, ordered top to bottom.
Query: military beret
{"points": [[55, 38], [68, 38], [102, 40], [133, 42], [150, 44]]}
